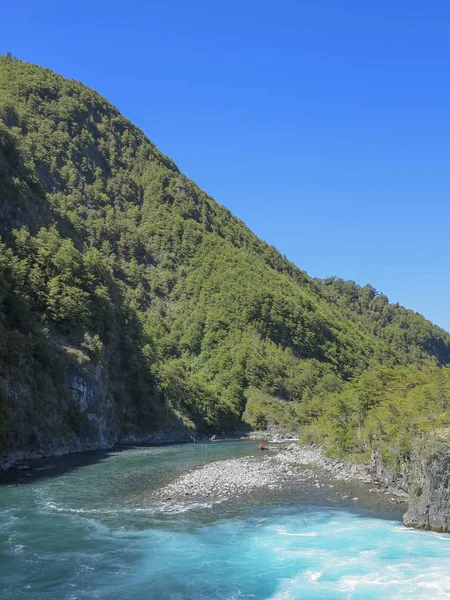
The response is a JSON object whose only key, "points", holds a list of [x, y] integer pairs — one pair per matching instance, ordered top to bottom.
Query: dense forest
{"points": [[130, 301]]}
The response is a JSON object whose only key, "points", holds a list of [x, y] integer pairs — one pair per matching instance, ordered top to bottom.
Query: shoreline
{"points": [[17, 459], [284, 467], [429, 500]]}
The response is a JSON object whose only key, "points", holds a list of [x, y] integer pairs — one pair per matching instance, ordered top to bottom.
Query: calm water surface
{"points": [[86, 527]]}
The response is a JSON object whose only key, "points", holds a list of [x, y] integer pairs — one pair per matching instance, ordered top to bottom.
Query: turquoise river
{"points": [[85, 526]]}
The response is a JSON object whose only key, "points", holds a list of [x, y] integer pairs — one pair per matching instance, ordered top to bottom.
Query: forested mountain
{"points": [[130, 301]]}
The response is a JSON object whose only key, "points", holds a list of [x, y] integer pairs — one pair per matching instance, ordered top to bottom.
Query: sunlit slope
{"points": [[117, 269]]}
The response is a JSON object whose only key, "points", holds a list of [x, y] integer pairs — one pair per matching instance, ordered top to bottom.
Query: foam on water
{"points": [[92, 533], [399, 563]]}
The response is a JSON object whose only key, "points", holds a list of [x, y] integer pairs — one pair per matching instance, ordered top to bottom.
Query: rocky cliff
{"points": [[429, 504]]}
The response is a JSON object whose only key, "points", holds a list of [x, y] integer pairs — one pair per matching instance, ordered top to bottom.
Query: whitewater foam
{"points": [[97, 531]]}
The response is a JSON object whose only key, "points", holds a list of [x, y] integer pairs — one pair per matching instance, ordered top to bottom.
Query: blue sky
{"points": [[324, 125]]}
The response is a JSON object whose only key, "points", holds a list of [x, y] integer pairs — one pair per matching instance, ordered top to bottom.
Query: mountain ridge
{"points": [[133, 302]]}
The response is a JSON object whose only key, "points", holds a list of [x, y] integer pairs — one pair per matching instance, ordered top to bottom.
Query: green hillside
{"points": [[130, 301], [396, 411]]}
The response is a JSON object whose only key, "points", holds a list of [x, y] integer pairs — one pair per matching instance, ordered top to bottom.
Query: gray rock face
{"points": [[81, 418], [392, 479], [426, 484], [429, 506]]}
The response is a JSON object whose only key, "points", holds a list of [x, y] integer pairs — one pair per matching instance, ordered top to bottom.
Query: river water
{"points": [[85, 527]]}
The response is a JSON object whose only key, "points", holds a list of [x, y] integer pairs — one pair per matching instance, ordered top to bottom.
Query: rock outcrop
{"points": [[429, 506]]}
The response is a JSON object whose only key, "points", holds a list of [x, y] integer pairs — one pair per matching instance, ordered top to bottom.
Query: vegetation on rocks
{"points": [[396, 411]]}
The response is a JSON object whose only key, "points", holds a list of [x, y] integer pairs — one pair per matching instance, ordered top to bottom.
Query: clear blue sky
{"points": [[324, 125]]}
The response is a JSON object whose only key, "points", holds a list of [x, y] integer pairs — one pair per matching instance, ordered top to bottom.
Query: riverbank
{"points": [[17, 458], [272, 469], [426, 485]]}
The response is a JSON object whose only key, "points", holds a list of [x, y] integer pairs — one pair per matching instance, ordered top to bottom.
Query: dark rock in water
{"points": [[429, 506]]}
